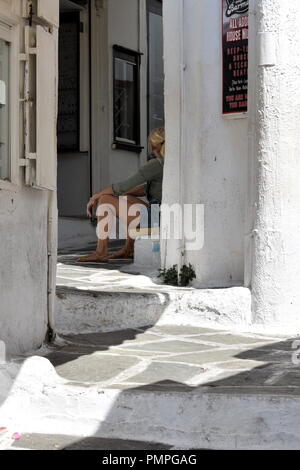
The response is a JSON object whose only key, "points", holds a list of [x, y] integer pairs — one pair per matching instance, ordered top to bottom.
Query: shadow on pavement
{"points": [[274, 373]]}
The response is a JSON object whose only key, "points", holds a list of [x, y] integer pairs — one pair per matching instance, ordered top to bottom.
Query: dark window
{"points": [[155, 65], [68, 88], [126, 99]]}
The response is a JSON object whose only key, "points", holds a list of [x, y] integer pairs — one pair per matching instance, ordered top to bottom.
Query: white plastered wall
{"points": [[206, 153], [26, 240], [272, 263], [23, 268]]}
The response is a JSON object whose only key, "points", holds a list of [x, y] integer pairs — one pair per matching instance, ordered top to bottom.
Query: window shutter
{"points": [[48, 10], [40, 94], [40, 107], [46, 108]]}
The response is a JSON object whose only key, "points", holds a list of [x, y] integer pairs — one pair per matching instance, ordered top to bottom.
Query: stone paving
{"points": [[68, 256], [105, 277], [177, 357], [164, 363], [158, 387], [62, 442]]}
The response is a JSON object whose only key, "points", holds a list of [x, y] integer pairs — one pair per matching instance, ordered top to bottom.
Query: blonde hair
{"points": [[157, 140]]}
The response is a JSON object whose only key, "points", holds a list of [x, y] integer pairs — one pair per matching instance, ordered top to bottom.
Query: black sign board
{"points": [[235, 56]]}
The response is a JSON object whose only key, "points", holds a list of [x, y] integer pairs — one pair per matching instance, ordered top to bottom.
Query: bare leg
{"points": [[128, 251], [101, 253]]}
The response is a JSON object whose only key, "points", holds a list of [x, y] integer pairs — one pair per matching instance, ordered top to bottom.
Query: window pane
{"points": [[156, 71], [68, 88], [125, 100], [4, 110]]}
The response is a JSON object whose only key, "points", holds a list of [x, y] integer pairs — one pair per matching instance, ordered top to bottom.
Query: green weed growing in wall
{"points": [[170, 276]]}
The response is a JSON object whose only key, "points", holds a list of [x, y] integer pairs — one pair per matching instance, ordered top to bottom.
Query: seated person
{"points": [[152, 174]]}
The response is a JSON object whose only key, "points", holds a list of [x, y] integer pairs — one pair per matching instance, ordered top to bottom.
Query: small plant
{"points": [[187, 274], [170, 276]]}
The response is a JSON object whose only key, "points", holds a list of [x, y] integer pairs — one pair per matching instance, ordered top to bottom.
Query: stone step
{"points": [[146, 253], [91, 299], [87, 311], [182, 387], [183, 418], [63, 442]]}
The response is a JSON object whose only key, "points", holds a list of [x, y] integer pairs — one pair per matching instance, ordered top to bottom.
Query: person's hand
{"points": [[94, 199], [92, 202]]}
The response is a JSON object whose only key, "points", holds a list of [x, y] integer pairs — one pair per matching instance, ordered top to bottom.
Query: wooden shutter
{"points": [[48, 10], [40, 106], [46, 108]]}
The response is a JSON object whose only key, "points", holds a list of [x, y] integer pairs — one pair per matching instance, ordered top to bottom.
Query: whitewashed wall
{"points": [[206, 153], [26, 239], [273, 261], [23, 268]]}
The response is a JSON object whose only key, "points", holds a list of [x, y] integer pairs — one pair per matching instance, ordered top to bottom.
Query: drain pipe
{"points": [[90, 99], [181, 241], [52, 243], [52, 261]]}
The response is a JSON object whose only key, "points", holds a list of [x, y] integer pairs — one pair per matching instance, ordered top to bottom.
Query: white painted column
{"points": [[274, 146]]}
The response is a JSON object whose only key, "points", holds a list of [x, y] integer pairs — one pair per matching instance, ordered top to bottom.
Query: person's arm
{"points": [[132, 184], [139, 191]]}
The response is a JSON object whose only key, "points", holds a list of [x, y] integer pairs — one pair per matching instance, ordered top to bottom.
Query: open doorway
{"points": [[111, 94], [73, 109]]}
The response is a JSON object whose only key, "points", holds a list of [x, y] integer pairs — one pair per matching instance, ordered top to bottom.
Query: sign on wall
{"points": [[235, 56]]}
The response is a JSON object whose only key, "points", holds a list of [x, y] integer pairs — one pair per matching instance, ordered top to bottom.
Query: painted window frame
{"points": [[9, 32], [136, 147]]}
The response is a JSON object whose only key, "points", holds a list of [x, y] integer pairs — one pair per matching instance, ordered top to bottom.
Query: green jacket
{"points": [[151, 173]]}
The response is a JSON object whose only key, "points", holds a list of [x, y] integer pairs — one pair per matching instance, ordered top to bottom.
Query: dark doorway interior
{"points": [[69, 79], [156, 116], [73, 119]]}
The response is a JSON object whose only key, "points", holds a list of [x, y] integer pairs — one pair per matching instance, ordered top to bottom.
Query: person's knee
{"points": [[107, 198], [106, 203]]}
